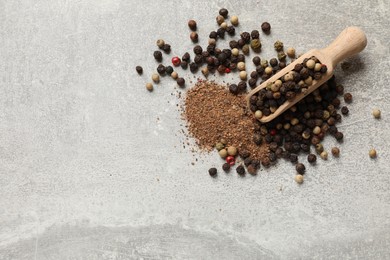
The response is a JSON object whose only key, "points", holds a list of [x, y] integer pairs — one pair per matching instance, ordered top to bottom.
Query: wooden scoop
{"points": [[350, 41]]}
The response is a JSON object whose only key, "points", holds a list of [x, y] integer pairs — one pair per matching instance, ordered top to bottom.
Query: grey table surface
{"points": [[92, 165]]}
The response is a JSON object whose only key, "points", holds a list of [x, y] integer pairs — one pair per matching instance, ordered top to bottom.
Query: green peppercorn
{"points": [[256, 45], [278, 45], [245, 49], [281, 56], [219, 146], [319, 148]]}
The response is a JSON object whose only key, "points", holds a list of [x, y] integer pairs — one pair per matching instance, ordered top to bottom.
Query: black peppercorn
{"points": [[224, 12], [192, 25], [266, 27], [231, 30], [221, 33], [255, 34], [213, 35], [194, 37], [246, 37], [167, 48], [198, 49], [157, 55], [186, 57], [241, 57], [198, 59], [256, 60], [273, 62], [184, 65], [193, 67], [161, 69], [139, 70], [169, 70], [180, 82], [252, 82], [241, 86], [233, 89], [340, 89], [348, 97], [344, 110], [339, 136], [257, 139], [243, 153], [293, 158], [311, 158], [247, 161], [226, 167], [300, 167], [252, 169], [240, 170], [213, 172]]}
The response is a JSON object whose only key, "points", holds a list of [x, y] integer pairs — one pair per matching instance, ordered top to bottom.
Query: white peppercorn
{"points": [[234, 20], [224, 25], [160, 43], [235, 52], [291, 52], [310, 64], [241, 65], [317, 67], [268, 70], [205, 71], [174, 75], [243, 75], [156, 78], [149, 86], [376, 113], [258, 114], [231, 150], [372, 153], [324, 155], [299, 178]]}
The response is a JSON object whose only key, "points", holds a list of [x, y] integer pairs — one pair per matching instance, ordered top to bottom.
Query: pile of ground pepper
{"points": [[213, 113]]}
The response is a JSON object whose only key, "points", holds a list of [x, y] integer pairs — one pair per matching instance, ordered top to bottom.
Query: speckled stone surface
{"points": [[92, 165]]}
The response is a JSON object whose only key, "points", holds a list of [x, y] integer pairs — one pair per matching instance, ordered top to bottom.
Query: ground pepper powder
{"points": [[213, 113]]}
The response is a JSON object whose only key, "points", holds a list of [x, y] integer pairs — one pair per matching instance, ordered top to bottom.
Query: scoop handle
{"points": [[350, 41]]}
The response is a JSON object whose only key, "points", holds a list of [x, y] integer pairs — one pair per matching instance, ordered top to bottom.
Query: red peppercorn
{"points": [[176, 61], [227, 70], [272, 132], [230, 160]]}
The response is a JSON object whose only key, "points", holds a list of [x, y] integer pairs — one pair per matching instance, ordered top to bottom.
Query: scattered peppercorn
{"points": [[224, 12], [220, 19], [234, 20], [192, 25], [266, 27], [231, 30], [194, 37], [160, 43], [278, 45], [167, 48], [291, 52], [158, 56], [256, 60], [161, 69], [139, 70], [168, 70], [174, 75], [156, 78], [180, 82], [149, 86], [348, 97], [344, 110], [376, 113], [335, 151], [223, 153], [372, 153], [324, 155], [311, 158], [226, 167], [300, 167], [252, 169], [240, 170], [213, 172], [298, 178]]}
